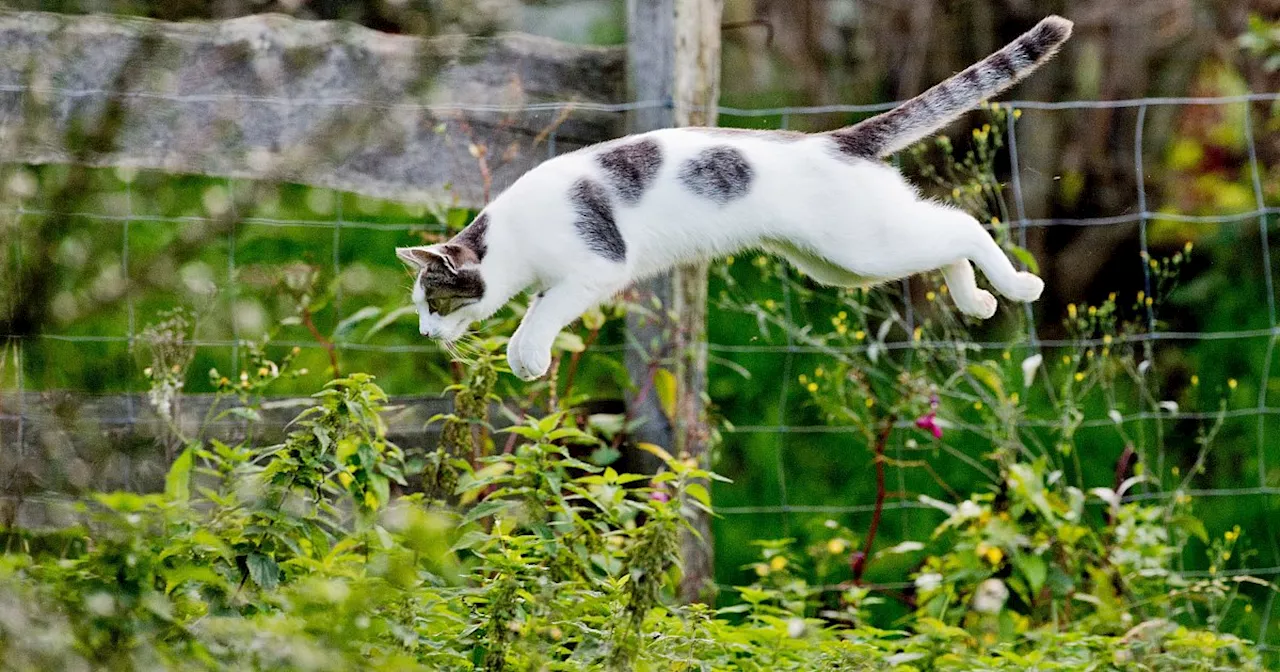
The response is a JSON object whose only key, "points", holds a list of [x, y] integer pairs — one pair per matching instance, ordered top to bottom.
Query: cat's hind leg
{"points": [[929, 236], [964, 290]]}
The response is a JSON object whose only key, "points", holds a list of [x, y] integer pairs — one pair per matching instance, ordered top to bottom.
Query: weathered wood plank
{"points": [[270, 97]]}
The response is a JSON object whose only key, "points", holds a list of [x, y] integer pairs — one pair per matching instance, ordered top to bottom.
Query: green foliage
{"points": [[299, 556]]}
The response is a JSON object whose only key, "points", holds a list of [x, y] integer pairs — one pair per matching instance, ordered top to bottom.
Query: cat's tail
{"points": [[928, 112]]}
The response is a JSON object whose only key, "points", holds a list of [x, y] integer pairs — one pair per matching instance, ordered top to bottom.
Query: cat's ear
{"points": [[457, 256], [417, 257]]}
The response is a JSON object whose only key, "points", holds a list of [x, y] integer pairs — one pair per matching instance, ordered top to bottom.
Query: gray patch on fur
{"points": [[632, 167], [718, 173], [595, 222]]}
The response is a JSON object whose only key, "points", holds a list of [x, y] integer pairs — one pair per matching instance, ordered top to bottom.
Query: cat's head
{"points": [[448, 277]]}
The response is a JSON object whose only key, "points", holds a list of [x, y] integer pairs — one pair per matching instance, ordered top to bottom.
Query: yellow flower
{"points": [[1017, 114], [995, 221], [1187, 248], [930, 295], [1141, 295], [1111, 297], [1149, 302], [769, 304], [1071, 310], [1093, 310], [842, 315], [841, 328], [918, 333], [859, 334], [1106, 339], [1005, 355], [1066, 359], [819, 372], [1079, 376], [803, 379], [1195, 380], [1231, 383], [813, 387], [1013, 398], [870, 402], [977, 405], [1175, 471], [345, 479], [370, 499], [836, 546], [994, 555], [778, 563], [762, 570], [1248, 608]]}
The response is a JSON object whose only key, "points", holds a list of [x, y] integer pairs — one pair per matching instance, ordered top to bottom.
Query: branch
{"points": [[858, 563]]}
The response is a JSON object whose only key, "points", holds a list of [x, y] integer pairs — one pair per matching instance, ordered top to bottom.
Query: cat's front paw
{"points": [[527, 363]]}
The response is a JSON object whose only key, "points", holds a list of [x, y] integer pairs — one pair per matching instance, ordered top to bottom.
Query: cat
{"points": [[583, 226]]}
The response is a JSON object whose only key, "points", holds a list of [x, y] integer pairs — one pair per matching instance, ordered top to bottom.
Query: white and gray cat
{"points": [[583, 226]]}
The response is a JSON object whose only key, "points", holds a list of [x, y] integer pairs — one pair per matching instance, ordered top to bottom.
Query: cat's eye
{"points": [[447, 304]]}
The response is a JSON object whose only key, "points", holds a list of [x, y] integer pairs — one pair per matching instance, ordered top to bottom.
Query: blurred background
{"points": [[1190, 153]]}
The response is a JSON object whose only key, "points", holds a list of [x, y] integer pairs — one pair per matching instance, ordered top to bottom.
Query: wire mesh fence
{"points": [[230, 231]]}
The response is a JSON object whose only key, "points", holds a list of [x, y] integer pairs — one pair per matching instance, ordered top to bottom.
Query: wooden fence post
{"points": [[675, 340]]}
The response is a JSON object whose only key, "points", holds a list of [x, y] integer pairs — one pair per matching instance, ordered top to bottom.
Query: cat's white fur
{"points": [[844, 221]]}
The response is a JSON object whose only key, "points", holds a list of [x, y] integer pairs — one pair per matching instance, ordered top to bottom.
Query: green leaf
{"points": [[1026, 258], [388, 319], [348, 324], [568, 342], [988, 375], [664, 383], [605, 455], [177, 483], [699, 492], [484, 509], [1193, 526], [263, 570], [1035, 570]]}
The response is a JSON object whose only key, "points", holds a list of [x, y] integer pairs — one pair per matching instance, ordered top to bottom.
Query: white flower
{"points": [[1029, 367], [1144, 367], [1169, 406], [1115, 416], [928, 582], [990, 597], [795, 628]]}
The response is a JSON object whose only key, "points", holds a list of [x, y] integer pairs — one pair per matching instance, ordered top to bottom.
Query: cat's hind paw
{"points": [[1026, 287], [979, 303]]}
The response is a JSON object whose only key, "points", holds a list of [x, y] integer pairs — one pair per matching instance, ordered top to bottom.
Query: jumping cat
{"points": [[583, 226]]}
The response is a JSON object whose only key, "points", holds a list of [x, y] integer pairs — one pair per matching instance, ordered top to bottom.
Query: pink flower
{"points": [[929, 421], [659, 493]]}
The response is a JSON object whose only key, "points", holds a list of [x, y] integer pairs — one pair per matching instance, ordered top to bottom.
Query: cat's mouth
{"points": [[447, 304]]}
